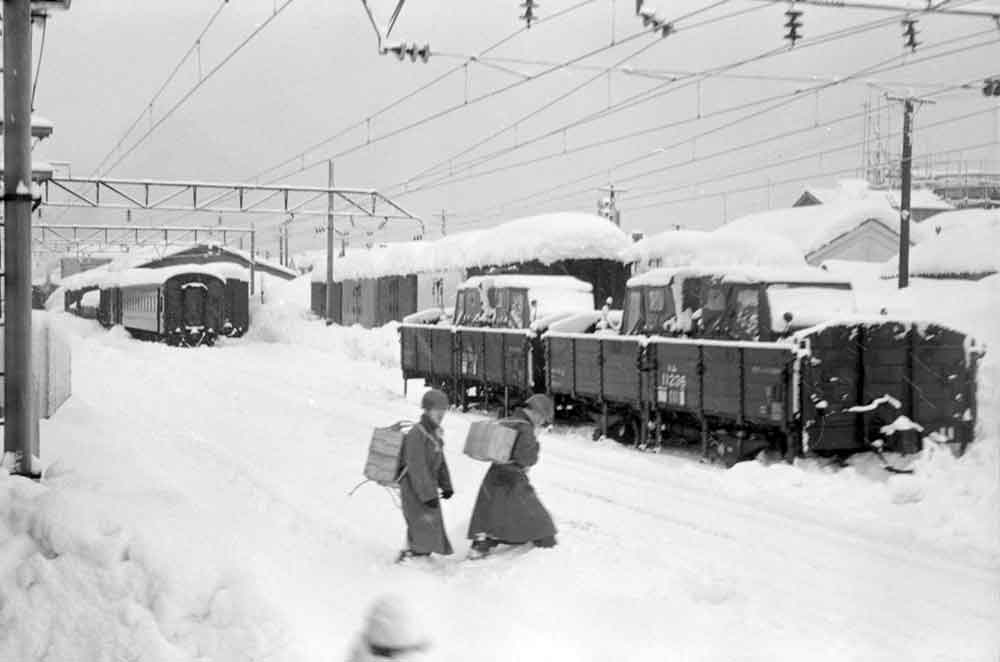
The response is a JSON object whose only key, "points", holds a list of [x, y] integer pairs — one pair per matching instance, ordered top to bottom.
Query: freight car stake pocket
{"points": [[489, 441]]}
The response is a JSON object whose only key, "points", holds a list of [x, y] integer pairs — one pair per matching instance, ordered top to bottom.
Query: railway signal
{"points": [[793, 24], [910, 34]]}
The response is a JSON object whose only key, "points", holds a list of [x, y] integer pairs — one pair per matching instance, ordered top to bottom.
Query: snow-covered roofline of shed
{"points": [[546, 238], [680, 248], [739, 274], [528, 282]]}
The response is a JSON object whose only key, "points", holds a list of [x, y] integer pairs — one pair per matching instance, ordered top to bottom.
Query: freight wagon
{"points": [[730, 361]]}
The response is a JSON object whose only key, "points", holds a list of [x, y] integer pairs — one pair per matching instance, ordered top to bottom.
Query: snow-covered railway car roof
{"points": [[546, 238], [680, 248], [740, 274], [105, 278], [564, 283]]}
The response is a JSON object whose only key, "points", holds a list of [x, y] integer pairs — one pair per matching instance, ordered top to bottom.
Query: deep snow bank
{"points": [[286, 318], [78, 584]]}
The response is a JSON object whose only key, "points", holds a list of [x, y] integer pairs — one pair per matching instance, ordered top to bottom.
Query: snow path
{"points": [[241, 456]]}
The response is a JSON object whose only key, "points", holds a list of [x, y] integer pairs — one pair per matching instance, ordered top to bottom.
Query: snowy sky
{"points": [[315, 70]]}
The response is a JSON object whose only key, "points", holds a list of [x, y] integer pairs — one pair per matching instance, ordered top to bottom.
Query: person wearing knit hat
{"points": [[425, 480], [507, 510], [392, 631]]}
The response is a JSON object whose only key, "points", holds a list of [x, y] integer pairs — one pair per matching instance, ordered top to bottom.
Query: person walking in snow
{"points": [[425, 481], [507, 509], [392, 631]]}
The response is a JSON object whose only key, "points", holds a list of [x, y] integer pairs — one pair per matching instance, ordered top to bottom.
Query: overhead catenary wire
{"points": [[883, 66], [169, 79], [201, 81], [300, 156], [792, 180], [406, 185]]}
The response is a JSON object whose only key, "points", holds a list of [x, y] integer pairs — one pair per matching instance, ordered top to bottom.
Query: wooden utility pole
{"points": [[905, 171]]}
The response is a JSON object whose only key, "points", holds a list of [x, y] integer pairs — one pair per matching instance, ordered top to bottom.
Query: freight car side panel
{"points": [[407, 297], [368, 308], [470, 357], [560, 365], [588, 366], [925, 370], [622, 379], [677, 381], [721, 381], [943, 382], [831, 384], [765, 393]]}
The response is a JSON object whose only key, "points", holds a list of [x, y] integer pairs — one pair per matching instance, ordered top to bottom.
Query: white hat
{"points": [[392, 623]]}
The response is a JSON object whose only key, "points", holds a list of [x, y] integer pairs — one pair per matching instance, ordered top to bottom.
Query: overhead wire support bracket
{"points": [[875, 6], [217, 197]]}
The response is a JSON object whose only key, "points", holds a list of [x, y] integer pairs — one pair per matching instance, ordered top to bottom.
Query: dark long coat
{"points": [[425, 472], [507, 508]]}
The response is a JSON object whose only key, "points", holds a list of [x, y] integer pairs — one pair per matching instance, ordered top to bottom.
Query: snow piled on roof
{"points": [[855, 190], [961, 220], [810, 228], [546, 238], [687, 247], [969, 252], [738, 274], [528, 282]]}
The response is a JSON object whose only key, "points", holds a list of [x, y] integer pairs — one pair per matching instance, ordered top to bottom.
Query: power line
{"points": [[38, 68], [214, 70], [868, 70], [601, 73], [656, 92], [393, 104], [149, 106], [786, 161], [792, 180]]}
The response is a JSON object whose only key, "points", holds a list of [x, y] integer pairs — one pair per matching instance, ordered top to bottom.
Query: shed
{"points": [[854, 230]]}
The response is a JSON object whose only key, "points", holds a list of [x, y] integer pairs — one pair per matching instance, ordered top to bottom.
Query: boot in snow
{"points": [[408, 554]]}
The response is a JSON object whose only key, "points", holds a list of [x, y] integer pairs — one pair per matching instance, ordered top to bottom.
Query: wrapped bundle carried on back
{"points": [[491, 441]]}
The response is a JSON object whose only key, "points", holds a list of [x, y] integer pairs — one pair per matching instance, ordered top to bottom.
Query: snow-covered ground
{"points": [[195, 507]]}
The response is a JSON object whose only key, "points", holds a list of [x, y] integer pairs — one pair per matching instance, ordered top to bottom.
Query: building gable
{"points": [[871, 241]]}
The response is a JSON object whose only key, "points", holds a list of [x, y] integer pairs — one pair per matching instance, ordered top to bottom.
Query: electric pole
{"points": [[905, 167], [444, 224], [329, 245], [21, 422]]}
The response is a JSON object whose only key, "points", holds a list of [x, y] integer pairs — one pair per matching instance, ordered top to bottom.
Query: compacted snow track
{"points": [[241, 457]]}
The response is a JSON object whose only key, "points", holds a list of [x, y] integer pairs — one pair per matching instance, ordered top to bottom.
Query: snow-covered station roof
{"points": [[546, 238], [686, 247]]}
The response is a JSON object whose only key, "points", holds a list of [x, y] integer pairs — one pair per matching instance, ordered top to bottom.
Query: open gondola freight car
{"points": [[490, 350], [734, 362]]}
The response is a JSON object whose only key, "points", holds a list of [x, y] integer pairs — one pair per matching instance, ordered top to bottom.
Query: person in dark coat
{"points": [[425, 480], [507, 509]]}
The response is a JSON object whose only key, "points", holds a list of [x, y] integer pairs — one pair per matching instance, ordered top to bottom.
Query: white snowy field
{"points": [[195, 507]]}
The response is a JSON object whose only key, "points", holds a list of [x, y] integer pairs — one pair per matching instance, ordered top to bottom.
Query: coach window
{"points": [[518, 310], [712, 310]]}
